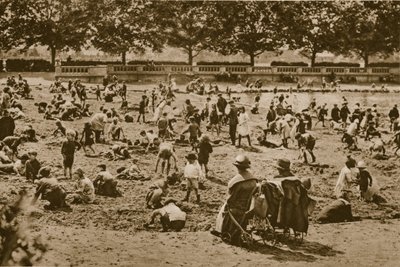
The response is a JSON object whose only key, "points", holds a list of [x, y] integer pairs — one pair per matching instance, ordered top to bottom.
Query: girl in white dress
{"points": [[243, 126]]}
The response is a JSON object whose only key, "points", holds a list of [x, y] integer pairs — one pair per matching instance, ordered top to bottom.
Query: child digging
{"points": [[194, 131], [88, 137], [68, 151], [193, 174]]}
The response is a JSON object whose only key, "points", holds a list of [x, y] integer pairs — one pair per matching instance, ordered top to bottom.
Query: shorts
{"points": [[162, 133], [193, 139], [89, 142], [310, 145], [203, 159], [68, 161], [192, 183], [176, 225]]}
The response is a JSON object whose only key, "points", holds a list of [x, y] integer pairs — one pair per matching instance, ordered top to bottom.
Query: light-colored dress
{"points": [[243, 124]]}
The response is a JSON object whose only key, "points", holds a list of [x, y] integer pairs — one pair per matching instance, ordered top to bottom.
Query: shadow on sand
{"points": [[295, 250]]}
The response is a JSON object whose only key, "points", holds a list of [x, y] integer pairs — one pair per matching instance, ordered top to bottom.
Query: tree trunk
{"points": [[190, 54], [53, 55], [313, 56], [123, 58], [252, 59], [366, 59]]}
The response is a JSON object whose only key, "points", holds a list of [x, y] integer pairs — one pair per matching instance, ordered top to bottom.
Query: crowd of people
{"points": [[204, 125]]}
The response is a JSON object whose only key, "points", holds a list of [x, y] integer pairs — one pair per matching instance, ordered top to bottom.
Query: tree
{"points": [[57, 24], [186, 25], [122, 26], [248, 27], [311, 27], [370, 28], [6, 41]]}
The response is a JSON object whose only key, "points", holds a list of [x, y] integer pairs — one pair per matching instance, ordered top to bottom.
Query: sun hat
{"points": [[242, 161], [361, 164]]}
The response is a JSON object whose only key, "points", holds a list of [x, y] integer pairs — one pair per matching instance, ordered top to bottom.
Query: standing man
{"points": [[123, 91], [221, 105], [142, 108], [335, 113], [344, 114], [393, 115], [233, 122]]}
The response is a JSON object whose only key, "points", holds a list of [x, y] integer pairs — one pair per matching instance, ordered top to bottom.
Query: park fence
{"points": [[95, 74]]}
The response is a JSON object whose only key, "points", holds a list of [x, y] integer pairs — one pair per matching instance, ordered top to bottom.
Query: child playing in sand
{"points": [[49, 114], [60, 129], [115, 130], [194, 133], [88, 136], [149, 139], [396, 140], [68, 151], [32, 167], [193, 175], [365, 178]]}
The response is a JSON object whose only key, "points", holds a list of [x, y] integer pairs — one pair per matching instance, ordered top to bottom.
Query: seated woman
{"points": [[233, 212]]}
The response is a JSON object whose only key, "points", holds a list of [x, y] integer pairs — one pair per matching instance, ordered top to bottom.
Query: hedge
{"points": [[145, 62], [89, 63], [223, 63], [283, 63], [336, 64], [385, 64], [28, 65]]}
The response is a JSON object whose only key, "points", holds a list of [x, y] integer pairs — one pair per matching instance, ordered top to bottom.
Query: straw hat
{"points": [[242, 161], [361, 164]]}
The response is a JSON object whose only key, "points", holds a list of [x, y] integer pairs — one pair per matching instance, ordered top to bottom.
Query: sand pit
{"points": [[112, 229]]}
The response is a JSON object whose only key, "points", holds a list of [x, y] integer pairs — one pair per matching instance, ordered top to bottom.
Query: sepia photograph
{"points": [[199, 133]]}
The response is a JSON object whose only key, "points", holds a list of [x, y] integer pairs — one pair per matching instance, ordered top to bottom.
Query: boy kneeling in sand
{"points": [[171, 216]]}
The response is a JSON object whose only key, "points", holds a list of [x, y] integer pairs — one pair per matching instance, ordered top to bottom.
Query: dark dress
{"points": [[88, 134], [68, 151], [204, 152], [238, 204]]}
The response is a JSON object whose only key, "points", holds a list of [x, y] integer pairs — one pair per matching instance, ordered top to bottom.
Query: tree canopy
{"points": [[363, 28]]}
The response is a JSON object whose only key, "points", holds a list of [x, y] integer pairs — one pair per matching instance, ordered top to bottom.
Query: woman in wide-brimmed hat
{"points": [[240, 188]]}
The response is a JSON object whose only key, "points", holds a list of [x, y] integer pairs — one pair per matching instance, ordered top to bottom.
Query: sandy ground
{"points": [[111, 232]]}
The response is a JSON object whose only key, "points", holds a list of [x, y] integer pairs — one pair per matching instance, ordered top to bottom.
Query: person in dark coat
{"points": [[221, 105], [142, 109], [335, 113], [344, 114], [393, 115], [233, 122], [7, 125]]}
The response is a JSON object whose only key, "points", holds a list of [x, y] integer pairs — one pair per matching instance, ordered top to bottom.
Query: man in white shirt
{"points": [[98, 122]]}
